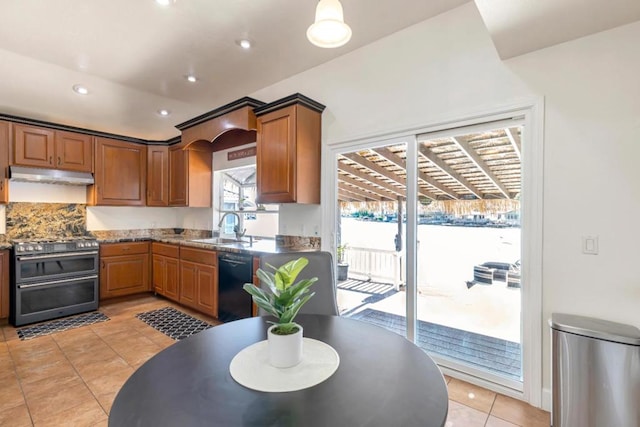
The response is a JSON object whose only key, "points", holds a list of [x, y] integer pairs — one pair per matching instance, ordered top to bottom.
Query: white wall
{"points": [[443, 67], [447, 67], [591, 174], [46, 193], [107, 218], [132, 218]]}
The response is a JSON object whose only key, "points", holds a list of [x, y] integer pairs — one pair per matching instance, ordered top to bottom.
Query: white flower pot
{"points": [[285, 351]]}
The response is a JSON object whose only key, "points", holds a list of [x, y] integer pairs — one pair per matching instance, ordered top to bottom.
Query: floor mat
{"points": [[366, 287], [173, 323], [59, 325], [493, 354]]}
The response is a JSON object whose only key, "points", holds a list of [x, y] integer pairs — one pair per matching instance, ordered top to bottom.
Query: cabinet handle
{"points": [[50, 160], [59, 161], [102, 264]]}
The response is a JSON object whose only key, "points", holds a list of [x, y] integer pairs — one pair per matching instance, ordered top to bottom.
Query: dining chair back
{"points": [[320, 266]]}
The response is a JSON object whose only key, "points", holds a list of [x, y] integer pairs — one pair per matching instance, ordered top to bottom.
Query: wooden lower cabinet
{"points": [[124, 269], [166, 270], [199, 280], [4, 284]]}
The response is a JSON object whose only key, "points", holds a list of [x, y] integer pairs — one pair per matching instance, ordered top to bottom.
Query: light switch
{"points": [[590, 245]]}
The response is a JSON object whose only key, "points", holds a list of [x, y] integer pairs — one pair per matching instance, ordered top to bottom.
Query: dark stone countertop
{"points": [[263, 246]]}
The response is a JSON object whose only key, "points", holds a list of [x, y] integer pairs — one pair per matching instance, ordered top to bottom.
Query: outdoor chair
{"points": [[320, 266]]}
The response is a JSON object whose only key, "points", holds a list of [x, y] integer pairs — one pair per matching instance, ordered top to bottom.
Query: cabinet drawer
{"points": [[128, 248], [165, 249], [199, 255]]}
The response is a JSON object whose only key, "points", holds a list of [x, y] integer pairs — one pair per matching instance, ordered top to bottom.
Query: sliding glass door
{"points": [[429, 225]]}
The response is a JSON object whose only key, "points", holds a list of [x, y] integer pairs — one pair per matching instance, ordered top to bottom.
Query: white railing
{"points": [[376, 264]]}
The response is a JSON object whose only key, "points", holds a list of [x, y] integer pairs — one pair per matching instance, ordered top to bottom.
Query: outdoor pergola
{"points": [[476, 166]]}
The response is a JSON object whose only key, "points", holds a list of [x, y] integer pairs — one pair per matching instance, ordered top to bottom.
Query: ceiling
{"points": [[133, 56]]}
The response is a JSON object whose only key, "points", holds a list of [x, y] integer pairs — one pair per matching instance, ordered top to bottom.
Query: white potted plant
{"points": [[282, 298]]}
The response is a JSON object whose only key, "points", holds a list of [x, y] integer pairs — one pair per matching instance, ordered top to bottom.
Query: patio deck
{"points": [[357, 299]]}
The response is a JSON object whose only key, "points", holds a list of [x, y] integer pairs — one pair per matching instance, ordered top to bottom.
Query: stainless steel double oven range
{"points": [[52, 279]]}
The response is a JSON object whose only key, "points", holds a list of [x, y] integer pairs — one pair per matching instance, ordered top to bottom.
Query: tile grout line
{"points": [[64, 353], [19, 380], [495, 396]]}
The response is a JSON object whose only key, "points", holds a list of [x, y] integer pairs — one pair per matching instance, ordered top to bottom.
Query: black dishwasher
{"points": [[234, 270]]}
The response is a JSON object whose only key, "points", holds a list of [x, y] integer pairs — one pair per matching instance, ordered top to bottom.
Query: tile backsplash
{"points": [[40, 220]]}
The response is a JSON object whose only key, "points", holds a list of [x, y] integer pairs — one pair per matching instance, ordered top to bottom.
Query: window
{"points": [[236, 189]]}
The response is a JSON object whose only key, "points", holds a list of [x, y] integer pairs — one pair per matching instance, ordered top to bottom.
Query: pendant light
{"points": [[329, 29]]}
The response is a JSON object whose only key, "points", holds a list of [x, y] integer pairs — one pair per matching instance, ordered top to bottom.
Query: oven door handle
{"points": [[49, 256], [56, 282]]}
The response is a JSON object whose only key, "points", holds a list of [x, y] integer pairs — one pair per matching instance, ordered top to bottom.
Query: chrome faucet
{"points": [[236, 228]]}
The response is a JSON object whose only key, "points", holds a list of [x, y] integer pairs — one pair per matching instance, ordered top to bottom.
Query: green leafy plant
{"points": [[340, 250], [282, 298]]}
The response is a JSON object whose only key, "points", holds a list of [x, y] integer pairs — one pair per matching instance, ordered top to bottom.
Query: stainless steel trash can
{"points": [[596, 372]]}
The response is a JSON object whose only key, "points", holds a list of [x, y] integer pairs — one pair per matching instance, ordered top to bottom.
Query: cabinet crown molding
{"points": [[296, 98], [220, 111]]}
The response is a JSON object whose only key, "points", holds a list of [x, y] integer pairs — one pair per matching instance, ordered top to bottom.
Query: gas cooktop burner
{"points": [[54, 245]]}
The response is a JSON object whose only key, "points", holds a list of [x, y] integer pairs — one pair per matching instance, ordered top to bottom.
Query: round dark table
{"points": [[383, 380]]}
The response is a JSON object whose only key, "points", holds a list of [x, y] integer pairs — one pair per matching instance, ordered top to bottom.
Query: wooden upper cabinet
{"points": [[33, 146], [46, 148], [73, 151], [288, 151], [4, 161], [120, 174], [157, 175], [190, 177], [178, 179]]}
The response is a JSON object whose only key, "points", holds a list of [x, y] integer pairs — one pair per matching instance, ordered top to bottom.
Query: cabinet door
{"points": [[33, 146], [74, 151], [275, 157], [4, 161], [120, 175], [157, 176], [178, 178], [158, 272], [124, 275], [172, 279], [188, 280], [4, 284], [207, 289]]}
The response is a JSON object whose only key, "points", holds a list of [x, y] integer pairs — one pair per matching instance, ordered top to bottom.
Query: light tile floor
{"points": [[71, 378]]}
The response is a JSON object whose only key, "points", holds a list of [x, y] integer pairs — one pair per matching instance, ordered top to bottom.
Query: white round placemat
{"points": [[251, 368]]}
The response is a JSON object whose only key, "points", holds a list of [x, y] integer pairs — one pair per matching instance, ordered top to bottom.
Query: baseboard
{"points": [[497, 388]]}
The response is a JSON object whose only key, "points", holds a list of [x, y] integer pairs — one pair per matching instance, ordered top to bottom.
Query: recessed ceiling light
{"points": [[165, 2], [244, 43], [191, 78], [80, 89], [164, 113]]}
